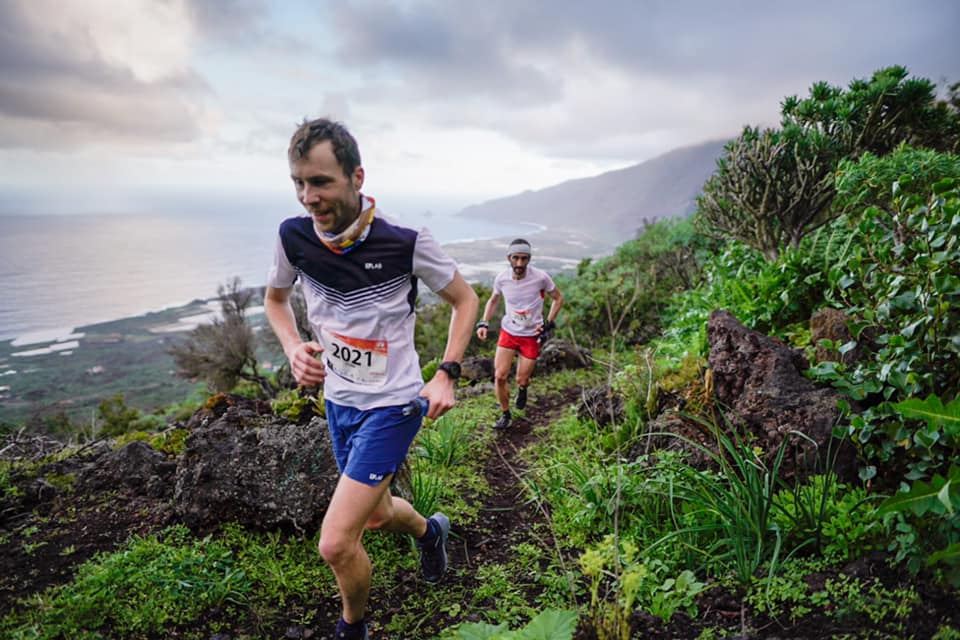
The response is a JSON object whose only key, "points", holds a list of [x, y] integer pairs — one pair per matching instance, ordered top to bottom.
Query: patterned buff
{"points": [[348, 239]]}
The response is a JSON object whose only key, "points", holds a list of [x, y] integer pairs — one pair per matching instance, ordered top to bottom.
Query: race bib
{"points": [[522, 318], [358, 360]]}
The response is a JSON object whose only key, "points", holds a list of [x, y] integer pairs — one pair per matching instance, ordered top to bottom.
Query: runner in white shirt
{"points": [[359, 274], [522, 329]]}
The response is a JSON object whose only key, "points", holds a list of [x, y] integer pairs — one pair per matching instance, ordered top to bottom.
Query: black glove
{"points": [[546, 332]]}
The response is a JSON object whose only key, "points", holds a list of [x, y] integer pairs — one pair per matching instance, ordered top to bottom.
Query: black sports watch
{"points": [[451, 368]]}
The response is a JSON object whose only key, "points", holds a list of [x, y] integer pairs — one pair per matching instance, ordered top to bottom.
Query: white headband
{"points": [[519, 247]]}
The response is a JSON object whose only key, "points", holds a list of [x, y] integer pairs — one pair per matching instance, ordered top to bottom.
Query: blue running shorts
{"points": [[370, 444]]}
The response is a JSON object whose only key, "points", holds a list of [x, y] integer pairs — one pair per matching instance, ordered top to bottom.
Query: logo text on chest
{"points": [[372, 265]]}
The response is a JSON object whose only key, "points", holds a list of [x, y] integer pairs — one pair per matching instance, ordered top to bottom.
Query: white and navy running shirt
{"points": [[523, 300], [361, 305]]}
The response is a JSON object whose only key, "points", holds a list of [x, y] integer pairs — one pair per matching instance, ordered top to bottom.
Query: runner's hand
{"points": [[482, 329], [306, 367], [439, 391]]}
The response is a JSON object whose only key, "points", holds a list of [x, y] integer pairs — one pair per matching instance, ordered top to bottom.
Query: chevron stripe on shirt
{"points": [[353, 279], [368, 293], [360, 298]]}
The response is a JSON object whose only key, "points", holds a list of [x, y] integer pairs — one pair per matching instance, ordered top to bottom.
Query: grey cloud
{"points": [[231, 21], [247, 26], [759, 37], [445, 49], [465, 62], [55, 94]]}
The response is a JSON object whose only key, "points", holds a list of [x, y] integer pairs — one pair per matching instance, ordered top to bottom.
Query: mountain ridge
{"points": [[663, 187]]}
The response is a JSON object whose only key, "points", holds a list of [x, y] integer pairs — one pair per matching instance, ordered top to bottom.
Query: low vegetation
{"points": [[613, 537]]}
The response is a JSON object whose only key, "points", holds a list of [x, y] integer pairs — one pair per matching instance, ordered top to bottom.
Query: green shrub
{"points": [[870, 181], [901, 286], [623, 295], [433, 325], [296, 405], [181, 411], [116, 417], [149, 422], [171, 441], [444, 442], [7, 488], [425, 490], [734, 508], [826, 517], [928, 524], [280, 570], [632, 581], [153, 583], [786, 593], [846, 597]]}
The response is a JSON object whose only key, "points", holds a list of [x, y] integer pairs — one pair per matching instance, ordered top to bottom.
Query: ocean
{"points": [[60, 272]]}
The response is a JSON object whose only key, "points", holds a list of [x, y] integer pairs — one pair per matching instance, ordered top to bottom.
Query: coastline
{"points": [[480, 259], [70, 370]]}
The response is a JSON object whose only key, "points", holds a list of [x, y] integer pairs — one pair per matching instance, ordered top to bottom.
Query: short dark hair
{"points": [[313, 132]]}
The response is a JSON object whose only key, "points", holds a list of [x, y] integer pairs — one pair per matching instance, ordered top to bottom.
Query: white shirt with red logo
{"points": [[523, 299]]}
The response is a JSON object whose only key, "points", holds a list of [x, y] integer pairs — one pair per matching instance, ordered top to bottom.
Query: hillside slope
{"points": [[617, 202]]}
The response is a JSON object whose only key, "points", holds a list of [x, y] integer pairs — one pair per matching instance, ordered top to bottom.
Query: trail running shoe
{"points": [[522, 398], [503, 422], [433, 556], [341, 633]]}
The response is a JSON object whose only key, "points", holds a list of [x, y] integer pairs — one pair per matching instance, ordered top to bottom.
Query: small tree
{"points": [[878, 114], [872, 181], [771, 188], [224, 350], [115, 416]]}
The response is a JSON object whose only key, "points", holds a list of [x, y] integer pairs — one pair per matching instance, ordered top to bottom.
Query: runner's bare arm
{"points": [[463, 299], [556, 301], [488, 310], [306, 369]]}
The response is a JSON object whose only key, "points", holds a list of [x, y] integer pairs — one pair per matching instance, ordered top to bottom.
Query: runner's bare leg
{"points": [[502, 362], [353, 508]]}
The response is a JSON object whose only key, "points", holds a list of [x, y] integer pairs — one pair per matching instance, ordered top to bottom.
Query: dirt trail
{"points": [[505, 516]]}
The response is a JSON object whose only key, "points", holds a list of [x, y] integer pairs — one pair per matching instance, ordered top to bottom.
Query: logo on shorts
{"points": [[376, 476]]}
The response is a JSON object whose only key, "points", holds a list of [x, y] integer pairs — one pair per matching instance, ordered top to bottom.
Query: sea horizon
{"points": [[62, 272]]}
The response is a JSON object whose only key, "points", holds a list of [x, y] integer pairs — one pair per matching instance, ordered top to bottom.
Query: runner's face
{"points": [[329, 196], [519, 262]]}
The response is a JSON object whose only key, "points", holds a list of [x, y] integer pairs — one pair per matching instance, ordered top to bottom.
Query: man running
{"points": [[359, 274], [522, 328]]}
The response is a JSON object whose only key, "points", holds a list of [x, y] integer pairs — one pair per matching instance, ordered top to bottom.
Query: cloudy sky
{"points": [[134, 105]]}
